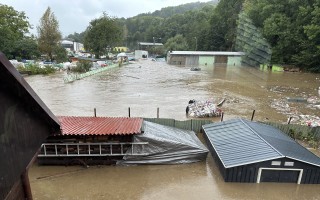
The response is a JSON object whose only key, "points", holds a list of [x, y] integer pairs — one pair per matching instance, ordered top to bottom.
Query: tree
{"points": [[13, 26], [102, 33], [49, 34], [76, 37], [177, 43], [26, 48]]}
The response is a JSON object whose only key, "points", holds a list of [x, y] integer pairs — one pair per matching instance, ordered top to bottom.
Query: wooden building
{"points": [[198, 58], [25, 122], [253, 152]]}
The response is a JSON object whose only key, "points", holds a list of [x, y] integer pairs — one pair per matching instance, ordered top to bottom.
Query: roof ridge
{"points": [[256, 133]]}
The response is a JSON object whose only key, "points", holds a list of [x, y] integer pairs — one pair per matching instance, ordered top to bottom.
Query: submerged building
{"points": [[196, 58], [120, 140], [253, 152]]}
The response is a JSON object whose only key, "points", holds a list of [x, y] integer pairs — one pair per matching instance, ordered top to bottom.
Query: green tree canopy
{"points": [[13, 26], [291, 27], [102, 33], [49, 34], [176, 43], [26, 48]]}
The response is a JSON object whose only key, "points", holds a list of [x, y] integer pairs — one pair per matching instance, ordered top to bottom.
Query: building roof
{"points": [[66, 42], [150, 44], [207, 53], [14, 83], [100, 125], [240, 142]]}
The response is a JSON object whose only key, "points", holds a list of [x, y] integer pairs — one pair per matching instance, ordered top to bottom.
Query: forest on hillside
{"points": [[291, 28], [288, 30]]}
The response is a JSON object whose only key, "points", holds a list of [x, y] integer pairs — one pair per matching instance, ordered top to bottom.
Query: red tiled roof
{"points": [[100, 125]]}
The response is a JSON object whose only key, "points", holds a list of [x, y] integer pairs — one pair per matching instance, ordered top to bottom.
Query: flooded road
{"points": [[147, 85]]}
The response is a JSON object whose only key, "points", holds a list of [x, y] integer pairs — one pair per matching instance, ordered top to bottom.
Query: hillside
{"points": [[173, 10]]}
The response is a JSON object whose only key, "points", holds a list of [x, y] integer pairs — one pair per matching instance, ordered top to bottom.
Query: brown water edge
{"points": [[146, 85]]}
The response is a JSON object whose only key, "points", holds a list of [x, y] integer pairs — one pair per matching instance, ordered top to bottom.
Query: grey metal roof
{"points": [[150, 44], [207, 53], [240, 142]]}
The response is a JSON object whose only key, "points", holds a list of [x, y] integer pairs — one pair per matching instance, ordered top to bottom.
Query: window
{"points": [[276, 163], [289, 164]]}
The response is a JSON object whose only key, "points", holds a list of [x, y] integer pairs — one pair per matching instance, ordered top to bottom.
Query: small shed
{"points": [[195, 58], [25, 122], [253, 152]]}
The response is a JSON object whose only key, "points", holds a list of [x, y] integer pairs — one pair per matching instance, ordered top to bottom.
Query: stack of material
{"points": [[203, 109], [166, 145]]}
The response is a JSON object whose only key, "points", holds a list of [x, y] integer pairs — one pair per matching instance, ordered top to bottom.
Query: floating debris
{"points": [[195, 69], [206, 108], [309, 120]]}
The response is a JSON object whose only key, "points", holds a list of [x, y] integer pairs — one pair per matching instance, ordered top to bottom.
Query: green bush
{"points": [[82, 66], [34, 68]]}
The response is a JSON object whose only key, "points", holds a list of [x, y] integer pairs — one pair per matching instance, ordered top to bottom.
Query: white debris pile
{"points": [[281, 105], [202, 109], [309, 120]]}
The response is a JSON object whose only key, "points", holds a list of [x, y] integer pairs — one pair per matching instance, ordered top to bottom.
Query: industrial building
{"points": [[201, 58]]}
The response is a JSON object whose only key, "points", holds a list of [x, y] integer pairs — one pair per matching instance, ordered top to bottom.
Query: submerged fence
{"points": [[72, 77], [191, 124], [299, 131]]}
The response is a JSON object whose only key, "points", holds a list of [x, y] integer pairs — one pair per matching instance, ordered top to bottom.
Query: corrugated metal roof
{"points": [[150, 44], [207, 53], [100, 125], [240, 142]]}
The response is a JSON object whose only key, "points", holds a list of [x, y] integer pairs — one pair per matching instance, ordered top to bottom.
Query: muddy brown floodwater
{"points": [[147, 85]]}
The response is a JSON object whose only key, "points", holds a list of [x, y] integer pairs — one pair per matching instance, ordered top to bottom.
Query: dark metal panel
{"points": [[25, 122]]}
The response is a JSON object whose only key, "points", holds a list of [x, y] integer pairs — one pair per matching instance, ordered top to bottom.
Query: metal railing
{"points": [[88, 149]]}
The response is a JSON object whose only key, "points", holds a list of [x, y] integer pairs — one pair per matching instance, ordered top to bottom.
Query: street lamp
{"points": [[196, 42]]}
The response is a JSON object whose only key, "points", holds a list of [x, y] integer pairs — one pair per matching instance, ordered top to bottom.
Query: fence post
{"points": [[95, 112], [129, 112], [158, 112], [253, 114], [221, 119], [289, 120]]}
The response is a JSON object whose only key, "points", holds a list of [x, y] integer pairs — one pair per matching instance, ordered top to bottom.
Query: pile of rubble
{"points": [[206, 108], [309, 120]]}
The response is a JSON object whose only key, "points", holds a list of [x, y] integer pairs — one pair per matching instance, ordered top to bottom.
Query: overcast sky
{"points": [[75, 15]]}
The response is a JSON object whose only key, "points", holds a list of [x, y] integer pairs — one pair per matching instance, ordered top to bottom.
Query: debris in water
{"points": [[206, 108]]}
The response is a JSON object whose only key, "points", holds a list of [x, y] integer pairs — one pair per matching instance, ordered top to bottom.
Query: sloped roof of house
{"points": [[240, 142]]}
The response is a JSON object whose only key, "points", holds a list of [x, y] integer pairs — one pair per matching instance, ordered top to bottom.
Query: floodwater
{"points": [[148, 85]]}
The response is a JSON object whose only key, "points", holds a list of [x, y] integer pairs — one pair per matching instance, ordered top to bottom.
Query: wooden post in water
{"points": [[95, 112], [129, 112], [157, 112], [253, 114], [221, 119], [289, 120]]}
